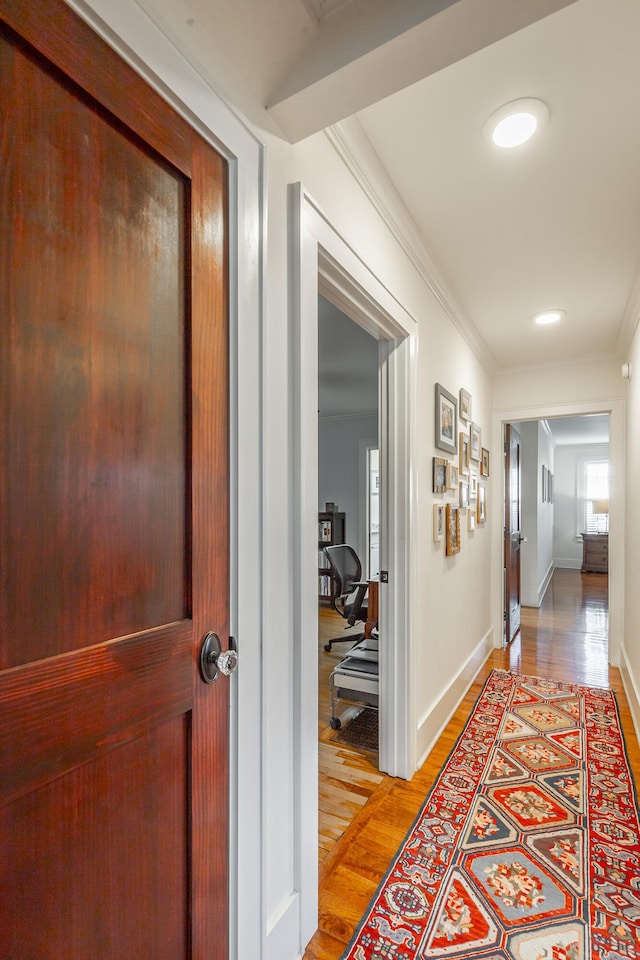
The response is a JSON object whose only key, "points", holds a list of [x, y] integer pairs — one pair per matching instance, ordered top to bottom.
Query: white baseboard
{"points": [[568, 563], [547, 579], [530, 598], [534, 598], [631, 690], [437, 717], [283, 930]]}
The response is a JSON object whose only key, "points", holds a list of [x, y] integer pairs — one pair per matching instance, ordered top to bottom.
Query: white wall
{"points": [[559, 388], [569, 459], [339, 468], [545, 511], [537, 516], [529, 584], [630, 661]]}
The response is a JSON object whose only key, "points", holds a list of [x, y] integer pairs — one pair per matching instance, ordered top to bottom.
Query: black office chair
{"points": [[348, 589]]}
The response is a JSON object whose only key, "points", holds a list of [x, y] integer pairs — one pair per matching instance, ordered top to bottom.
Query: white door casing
{"points": [[322, 262]]}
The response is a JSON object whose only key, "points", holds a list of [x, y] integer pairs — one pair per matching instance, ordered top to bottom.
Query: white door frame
{"points": [[322, 262], [615, 409]]}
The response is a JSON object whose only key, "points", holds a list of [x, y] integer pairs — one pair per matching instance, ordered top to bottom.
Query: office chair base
{"points": [[352, 638]]}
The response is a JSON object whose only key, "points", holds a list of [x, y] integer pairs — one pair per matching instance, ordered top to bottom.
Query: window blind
{"points": [[596, 487]]}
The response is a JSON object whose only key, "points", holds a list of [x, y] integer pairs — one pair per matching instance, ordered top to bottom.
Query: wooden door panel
{"points": [[82, 57], [94, 384], [114, 497], [48, 721], [119, 821]]}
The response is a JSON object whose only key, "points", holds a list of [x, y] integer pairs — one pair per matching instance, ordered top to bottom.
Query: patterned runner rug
{"points": [[528, 845]]}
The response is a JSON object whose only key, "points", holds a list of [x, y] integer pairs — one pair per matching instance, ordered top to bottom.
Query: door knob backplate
{"points": [[213, 660]]}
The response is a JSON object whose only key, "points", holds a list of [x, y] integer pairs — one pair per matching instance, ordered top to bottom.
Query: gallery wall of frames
{"points": [[460, 472]]}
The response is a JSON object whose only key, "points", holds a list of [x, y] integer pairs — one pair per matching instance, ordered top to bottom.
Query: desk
{"points": [[372, 608]]}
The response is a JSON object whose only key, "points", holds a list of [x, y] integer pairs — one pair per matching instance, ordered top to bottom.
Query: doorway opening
{"points": [[560, 496], [349, 514]]}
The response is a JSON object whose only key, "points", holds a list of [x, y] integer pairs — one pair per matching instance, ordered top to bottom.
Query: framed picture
{"points": [[465, 405], [446, 420], [475, 441], [463, 454], [484, 462], [439, 474], [452, 476], [473, 484], [549, 486], [464, 494], [543, 495], [481, 504], [471, 519], [438, 521], [452, 542]]}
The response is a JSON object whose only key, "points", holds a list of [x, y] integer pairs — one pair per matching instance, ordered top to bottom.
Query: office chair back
{"points": [[346, 571]]}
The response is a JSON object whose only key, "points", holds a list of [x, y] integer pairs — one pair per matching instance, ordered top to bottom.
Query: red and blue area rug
{"points": [[528, 845]]}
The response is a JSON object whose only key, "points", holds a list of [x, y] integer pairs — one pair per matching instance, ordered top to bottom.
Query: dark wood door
{"points": [[113, 507], [512, 533]]}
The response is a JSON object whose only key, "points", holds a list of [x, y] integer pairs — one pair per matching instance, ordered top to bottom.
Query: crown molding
{"points": [[355, 150], [609, 357]]}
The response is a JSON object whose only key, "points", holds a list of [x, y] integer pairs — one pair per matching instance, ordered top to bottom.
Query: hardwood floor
{"points": [[566, 639], [347, 776]]}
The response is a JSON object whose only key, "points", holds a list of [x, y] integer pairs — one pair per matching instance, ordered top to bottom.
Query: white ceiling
{"points": [[553, 224], [578, 430]]}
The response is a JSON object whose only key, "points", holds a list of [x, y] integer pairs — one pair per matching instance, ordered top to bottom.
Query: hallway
{"points": [[566, 639]]}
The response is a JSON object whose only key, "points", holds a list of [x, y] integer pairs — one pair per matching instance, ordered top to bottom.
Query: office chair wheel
{"points": [[327, 647], [335, 723]]}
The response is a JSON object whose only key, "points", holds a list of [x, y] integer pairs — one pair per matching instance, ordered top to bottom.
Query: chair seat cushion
{"points": [[363, 611]]}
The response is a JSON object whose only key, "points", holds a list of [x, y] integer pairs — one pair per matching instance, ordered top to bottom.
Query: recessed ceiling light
{"points": [[516, 122], [548, 316]]}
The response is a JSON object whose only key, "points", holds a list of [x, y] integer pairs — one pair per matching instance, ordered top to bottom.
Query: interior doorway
{"points": [[324, 263], [348, 424], [564, 503], [348, 513]]}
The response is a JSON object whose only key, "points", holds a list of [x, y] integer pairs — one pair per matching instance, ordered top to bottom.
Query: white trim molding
{"points": [[323, 262], [534, 598], [631, 690], [436, 718]]}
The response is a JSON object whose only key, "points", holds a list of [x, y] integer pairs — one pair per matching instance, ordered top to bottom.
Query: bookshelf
{"points": [[331, 530]]}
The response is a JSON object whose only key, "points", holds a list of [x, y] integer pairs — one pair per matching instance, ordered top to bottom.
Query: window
{"points": [[596, 496], [373, 497]]}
